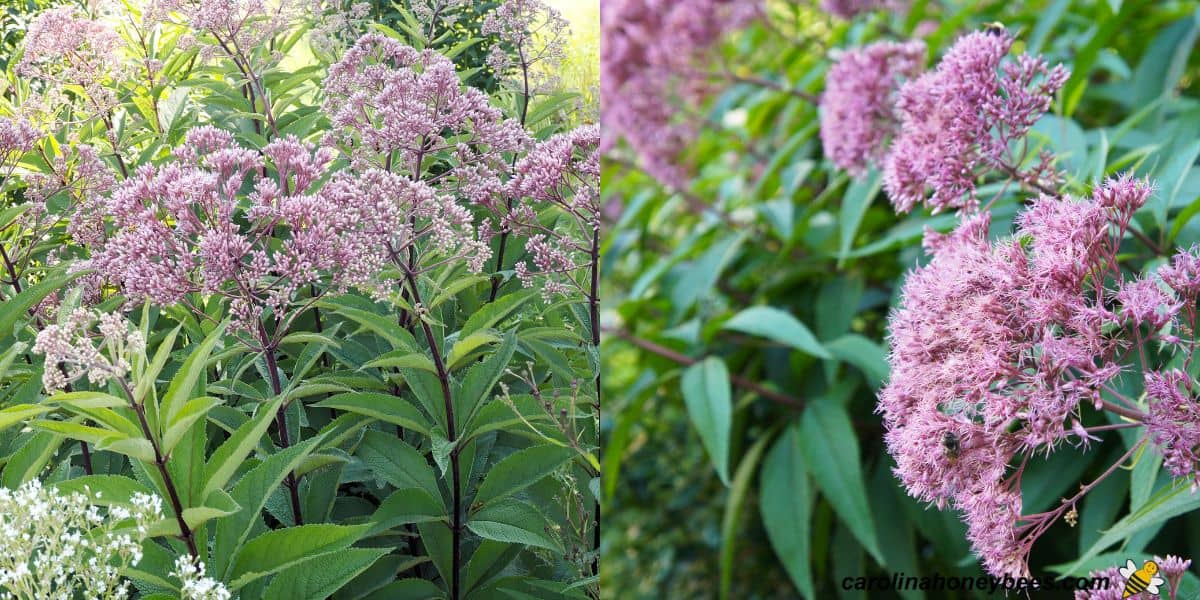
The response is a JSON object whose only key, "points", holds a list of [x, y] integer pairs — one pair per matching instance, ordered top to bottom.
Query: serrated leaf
{"points": [[15, 308], [493, 313], [464, 347], [402, 359], [384, 407], [196, 409], [21, 413], [398, 463], [520, 470], [104, 490], [252, 492], [1173, 500], [411, 505], [512, 521], [279, 549], [321, 576]]}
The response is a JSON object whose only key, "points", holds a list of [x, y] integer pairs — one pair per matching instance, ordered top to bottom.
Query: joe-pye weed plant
{"points": [[275, 268]]}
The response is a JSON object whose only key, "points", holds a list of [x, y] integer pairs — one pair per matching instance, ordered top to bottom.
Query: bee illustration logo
{"points": [[1145, 578]]}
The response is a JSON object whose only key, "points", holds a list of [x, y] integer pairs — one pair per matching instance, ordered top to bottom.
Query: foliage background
{"points": [[765, 220]]}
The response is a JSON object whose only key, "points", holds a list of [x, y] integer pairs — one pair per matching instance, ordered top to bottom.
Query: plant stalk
{"points": [[281, 423], [451, 435], [160, 461]]}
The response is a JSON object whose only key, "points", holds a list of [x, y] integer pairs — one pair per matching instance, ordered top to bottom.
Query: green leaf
{"points": [[1107, 25], [1164, 61], [1173, 175], [854, 205], [454, 287], [16, 308], [493, 313], [778, 326], [384, 327], [308, 337], [464, 347], [868, 356], [402, 359], [481, 378], [147, 379], [185, 379], [706, 392], [84, 400], [384, 407], [195, 410], [21, 413], [830, 448], [229, 456], [30, 458], [398, 463], [520, 470], [104, 490], [252, 492], [1174, 500], [785, 502], [410, 505], [733, 510], [512, 521], [279, 549], [322, 575], [408, 589]]}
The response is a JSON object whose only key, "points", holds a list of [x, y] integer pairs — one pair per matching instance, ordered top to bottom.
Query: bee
{"points": [[994, 28], [951, 445], [1145, 578]]}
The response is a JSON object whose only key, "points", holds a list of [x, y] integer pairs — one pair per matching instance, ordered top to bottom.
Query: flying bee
{"points": [[994, 28], [951, 445], [1145, 578]]}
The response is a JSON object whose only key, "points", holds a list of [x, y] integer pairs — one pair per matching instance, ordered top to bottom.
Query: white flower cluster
{"points": [[72, 353], [61, 546], [196, 586]]}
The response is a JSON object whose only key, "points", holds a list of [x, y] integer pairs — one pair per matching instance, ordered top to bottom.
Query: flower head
{"points": [[531, 42], [647, 55], [857, 118], [960, 119], [998, 346], [72, 351]]}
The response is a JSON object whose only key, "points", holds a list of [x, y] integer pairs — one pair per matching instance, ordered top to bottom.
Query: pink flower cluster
{"points": [[237, 26], [536, 35], [64, 47], [648, 51], [397, 108], [857, 114], [959, 120], [17, 136], [563, 172], [184, 227], [997, 347], [72, 353]]}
